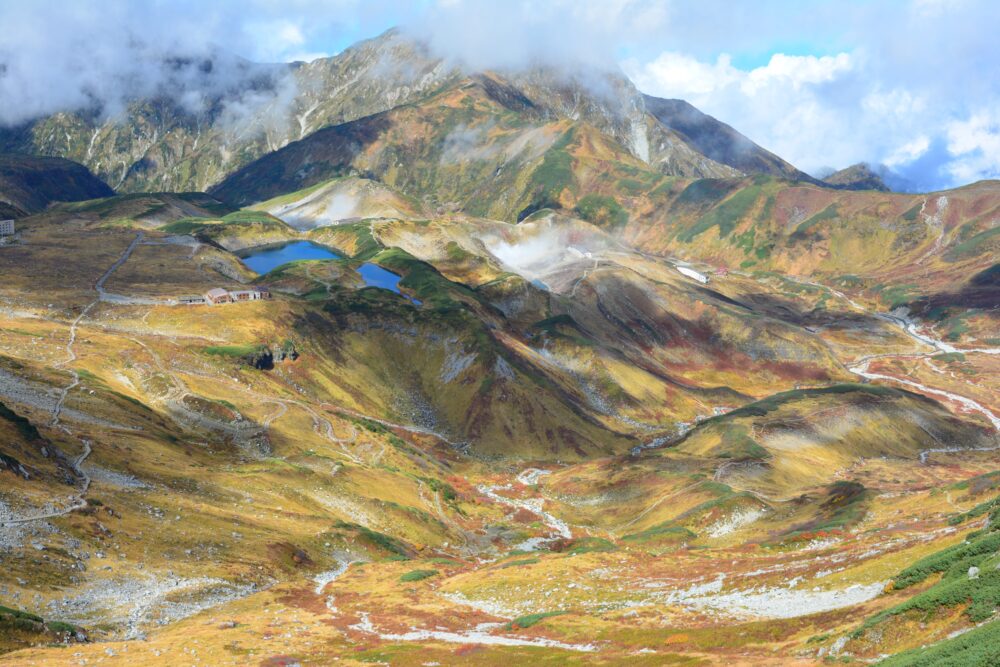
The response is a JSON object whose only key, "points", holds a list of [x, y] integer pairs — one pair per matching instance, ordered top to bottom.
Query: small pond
{"points": [[266, 259], [376, 276]]}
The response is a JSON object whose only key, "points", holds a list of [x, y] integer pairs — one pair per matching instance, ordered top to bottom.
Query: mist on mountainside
{"points": [[99, 59]]}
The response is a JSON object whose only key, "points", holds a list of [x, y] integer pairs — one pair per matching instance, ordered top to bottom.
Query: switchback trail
{"points": [[910, 328]]}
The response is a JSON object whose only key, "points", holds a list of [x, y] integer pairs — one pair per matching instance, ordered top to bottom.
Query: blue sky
{"points": [[912, 84]]}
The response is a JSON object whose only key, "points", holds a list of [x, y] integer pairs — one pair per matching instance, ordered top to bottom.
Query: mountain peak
{"points": [[719, 141], [858, 176]]}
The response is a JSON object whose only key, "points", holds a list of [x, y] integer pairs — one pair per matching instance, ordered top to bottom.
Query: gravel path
{"points": [[78, 501]]}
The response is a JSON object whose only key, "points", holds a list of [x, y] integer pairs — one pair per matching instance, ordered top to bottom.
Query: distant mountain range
{"points": [[159, 145]]}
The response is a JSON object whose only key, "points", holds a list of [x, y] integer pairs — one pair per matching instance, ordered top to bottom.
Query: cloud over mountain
{"points": [[910, 85]]}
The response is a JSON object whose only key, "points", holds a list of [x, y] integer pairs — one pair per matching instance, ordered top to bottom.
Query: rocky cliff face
{"points": [[718, 141]]}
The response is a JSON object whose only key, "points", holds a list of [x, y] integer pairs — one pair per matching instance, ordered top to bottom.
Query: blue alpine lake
{"points": [[267, 259], [264, 260]]}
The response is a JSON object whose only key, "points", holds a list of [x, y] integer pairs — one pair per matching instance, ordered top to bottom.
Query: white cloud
{"points": [[484, 34], [101, 53], [796, 71], [679, 75], [911, 98], [776, 104], [975, 143], [908, 152]]}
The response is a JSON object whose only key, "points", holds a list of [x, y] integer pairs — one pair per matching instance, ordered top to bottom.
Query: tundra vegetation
{"points": [[544, 443]]}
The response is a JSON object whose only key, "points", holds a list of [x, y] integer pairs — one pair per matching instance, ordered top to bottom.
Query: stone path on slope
{"points": [[79, 500]]}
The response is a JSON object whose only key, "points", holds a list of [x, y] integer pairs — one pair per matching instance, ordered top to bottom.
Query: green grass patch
{"points": [[554, 175], [632, 186], [704, 191], [602, 210], [828, 213], [911, 214], [247, 215], [725, 215], [185, 226], [972, 245], [422, 279], [956, 327], [230, 350], [774, 402], [370, 425], [736, 443], [446, 490], [845, 505], [977, 511], [660, 531], [380, 540], [586, 545], [947, 560], [447, 562], [418, 575], [979, 596], [7, 611], [522, 622], [61, 628], [977, 648]]}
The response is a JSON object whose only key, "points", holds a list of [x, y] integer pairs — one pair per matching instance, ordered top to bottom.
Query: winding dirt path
{"points": [[911, 329], [78, 501]]}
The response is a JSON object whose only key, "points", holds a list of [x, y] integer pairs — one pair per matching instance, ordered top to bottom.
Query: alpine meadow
{"points": [[639, 333]]}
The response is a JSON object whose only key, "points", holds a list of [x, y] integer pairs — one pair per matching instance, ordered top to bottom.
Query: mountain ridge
{"points": [[719, 141], [159, 146], [28, 184]]}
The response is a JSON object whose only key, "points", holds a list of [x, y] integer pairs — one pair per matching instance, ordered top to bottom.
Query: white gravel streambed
{"points": [[558, 527], [323, 579], [758, 602], [770, 603], [136, 604], [479, 635]]}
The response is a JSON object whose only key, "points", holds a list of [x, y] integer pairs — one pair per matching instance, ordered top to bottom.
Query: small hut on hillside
{"points": [[217, 295]]}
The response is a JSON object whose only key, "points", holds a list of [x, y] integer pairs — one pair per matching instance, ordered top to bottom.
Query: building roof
{"points": [[216, 292]]}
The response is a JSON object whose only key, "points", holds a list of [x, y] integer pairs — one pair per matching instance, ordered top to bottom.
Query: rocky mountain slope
{"points": [[718, 141], [160, 145], [467, 149], [857, 177], [28, 184], [538, 375]]}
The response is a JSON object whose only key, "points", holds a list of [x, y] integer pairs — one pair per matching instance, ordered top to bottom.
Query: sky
{"points": [[913, 85]]}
